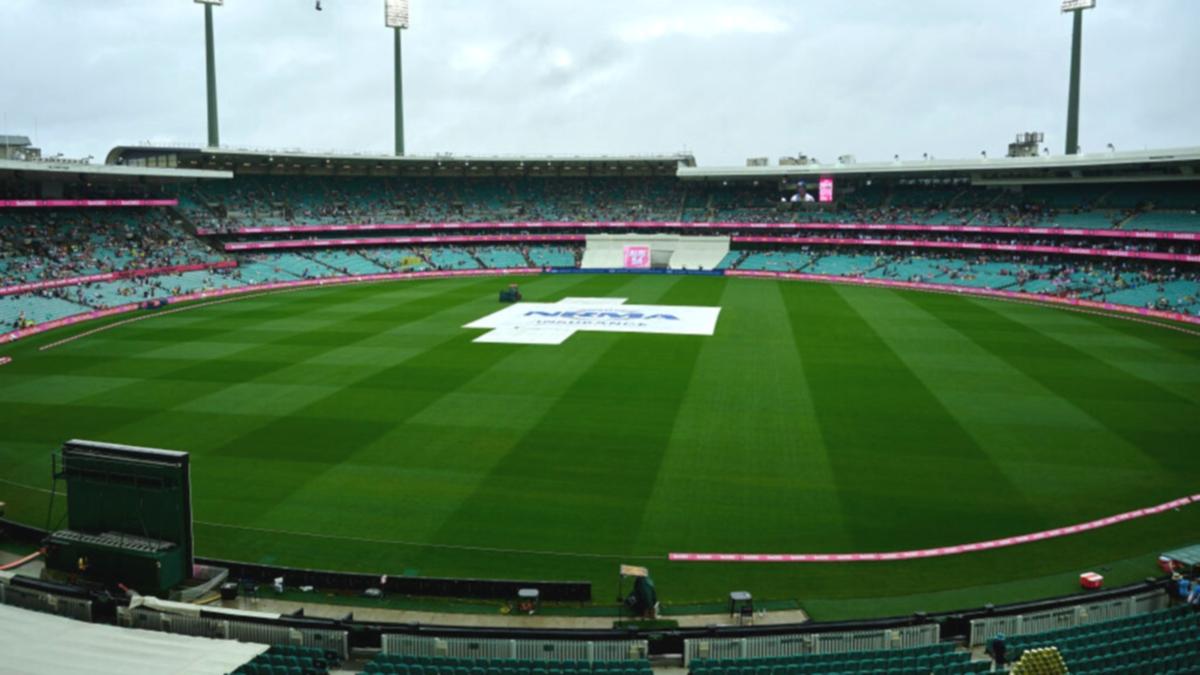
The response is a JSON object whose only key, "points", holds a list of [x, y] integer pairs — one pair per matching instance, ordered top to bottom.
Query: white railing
{"points": [[231, 629], [983, 630], [766, 646], [534, 650]]}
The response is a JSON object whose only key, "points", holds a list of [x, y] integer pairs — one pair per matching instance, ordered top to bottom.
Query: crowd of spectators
{"points": [[258, 201], [47, 244]]}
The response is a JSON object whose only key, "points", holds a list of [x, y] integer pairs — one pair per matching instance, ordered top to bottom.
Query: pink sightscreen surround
{"points": [[637, 257]]}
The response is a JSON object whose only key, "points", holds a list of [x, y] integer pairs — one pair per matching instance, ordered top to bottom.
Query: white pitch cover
{"points": [[542, 323]]}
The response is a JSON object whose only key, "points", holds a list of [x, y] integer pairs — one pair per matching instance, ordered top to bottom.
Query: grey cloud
{"points": [[866, 77]]}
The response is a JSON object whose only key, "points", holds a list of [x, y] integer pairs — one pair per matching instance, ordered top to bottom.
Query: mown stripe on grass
{"points": [[247, 332], [1167, 358], [1159, 422], [209, 430], [448, 437], [308, 442], [1046, 445], [718, 469], [910, 475], [581, 478]]}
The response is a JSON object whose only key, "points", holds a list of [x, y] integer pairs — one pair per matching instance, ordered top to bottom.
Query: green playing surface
{"points": [[360, 428]]}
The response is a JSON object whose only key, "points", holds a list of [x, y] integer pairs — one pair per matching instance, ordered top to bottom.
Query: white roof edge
{"points": [[444, 157], [979, 164], [52, 167], [188, 609]]}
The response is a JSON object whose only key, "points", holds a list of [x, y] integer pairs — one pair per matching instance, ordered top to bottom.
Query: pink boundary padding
{"points": [[58, 203], [633, 225], [376, 241], [971, 246], [113, 276], [967, 290], [15, 335], [932, 552]]}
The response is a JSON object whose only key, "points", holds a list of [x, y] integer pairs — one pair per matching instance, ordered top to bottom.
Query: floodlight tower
{"points": [[1075, 7], [395, 16], [210, 63]]}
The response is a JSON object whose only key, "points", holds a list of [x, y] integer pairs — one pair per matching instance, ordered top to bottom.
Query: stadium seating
{"points": [[1165, 221], [63, 243], [52, 244], [552, 256], [500, 257], [450, 258], [396, 259], [775, 261], [346, 262], [35, 307], [1166, 641], [940, 659], [290, 660], [395, 664]]}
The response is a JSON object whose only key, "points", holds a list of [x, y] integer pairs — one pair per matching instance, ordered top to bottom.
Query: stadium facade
{"points": [[1113, 232]]}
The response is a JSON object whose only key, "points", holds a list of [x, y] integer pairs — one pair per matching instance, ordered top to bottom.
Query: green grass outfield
{"points": [[359, 428]]}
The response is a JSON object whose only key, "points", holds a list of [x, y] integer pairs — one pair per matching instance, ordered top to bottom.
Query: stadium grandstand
{"points": [[1121, 230], [286, 412]]}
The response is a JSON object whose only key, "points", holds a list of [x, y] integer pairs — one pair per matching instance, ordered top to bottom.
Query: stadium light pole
{"points": [[1076, 8], [395, 16], [210, 67]]}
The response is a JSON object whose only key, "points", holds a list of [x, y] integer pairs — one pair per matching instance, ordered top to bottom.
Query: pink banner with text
{"points": [[77, 203], [676, 225], [403, 241], [971, 246]]}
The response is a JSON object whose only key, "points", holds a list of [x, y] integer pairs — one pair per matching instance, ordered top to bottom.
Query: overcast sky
{"points": [[723, 80]]}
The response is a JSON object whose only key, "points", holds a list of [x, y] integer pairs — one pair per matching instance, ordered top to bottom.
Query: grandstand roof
{"points": [[302, 163], [1168, 164], [52, 169], [32, 642]]}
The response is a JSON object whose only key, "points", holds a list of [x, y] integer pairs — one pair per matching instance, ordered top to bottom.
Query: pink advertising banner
{"points": [[825, 192], [60, 203], [675, 225], [403, 241], [972, 246], [637, 257], [112, 276], [204, 295], [933, 552]]}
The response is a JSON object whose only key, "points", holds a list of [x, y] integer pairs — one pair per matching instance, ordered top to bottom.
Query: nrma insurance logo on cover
{"points": [[541, 323]]}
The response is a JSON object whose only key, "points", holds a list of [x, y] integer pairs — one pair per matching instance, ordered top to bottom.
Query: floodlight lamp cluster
{"points": [[1077, 5], [395, 13]]}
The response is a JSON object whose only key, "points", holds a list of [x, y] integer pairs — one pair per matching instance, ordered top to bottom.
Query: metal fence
{"points": [[38, 601], [1067, 617], [231, 629], [811, 643], [536, 650]]}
